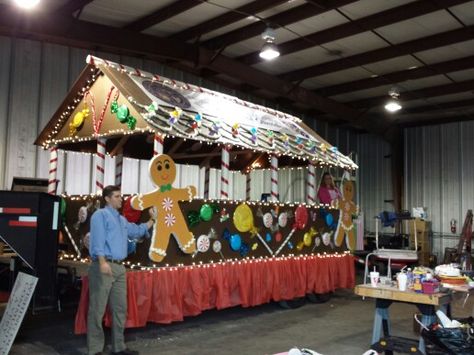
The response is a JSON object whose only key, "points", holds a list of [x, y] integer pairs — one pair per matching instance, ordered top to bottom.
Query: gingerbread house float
{"points": [[204, 253]]}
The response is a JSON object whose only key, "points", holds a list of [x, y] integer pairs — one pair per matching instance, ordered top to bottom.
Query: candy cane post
{"points": [[158, 143], [100, 165], [274, 168], [53, 169], [118, 169], [225, 172], [207, 173], [248, 181], [311, 184]]}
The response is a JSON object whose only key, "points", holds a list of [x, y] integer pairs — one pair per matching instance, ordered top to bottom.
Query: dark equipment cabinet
{"points": [[30, 224]]}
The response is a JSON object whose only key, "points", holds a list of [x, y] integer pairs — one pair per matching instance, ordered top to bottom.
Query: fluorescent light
{"points": [[27, 4], [269, 51], [393, 106]]}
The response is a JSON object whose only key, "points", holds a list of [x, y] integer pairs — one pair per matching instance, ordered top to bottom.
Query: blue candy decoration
{"points": [[329, 220], [268, 237], [235, 242], [290, 245], [244, 249]]}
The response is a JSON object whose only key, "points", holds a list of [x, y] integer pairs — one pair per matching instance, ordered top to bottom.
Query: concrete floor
{"points": [[341, 326]]}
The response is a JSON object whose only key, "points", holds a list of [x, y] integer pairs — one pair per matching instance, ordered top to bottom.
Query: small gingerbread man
{"points": [[347, 208], [170, 219]]}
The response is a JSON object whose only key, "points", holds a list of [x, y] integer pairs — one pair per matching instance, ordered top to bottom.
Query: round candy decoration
{"points": [[206, 212], [82, 214], [301, 217], [283, 219], [267, 220], [278, 237], [307, 239], [326, 239], [235, 242], [203, 243], [217, 246]]}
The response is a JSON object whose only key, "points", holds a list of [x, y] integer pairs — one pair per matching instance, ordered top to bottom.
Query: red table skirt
{"points": [[169, 294]]}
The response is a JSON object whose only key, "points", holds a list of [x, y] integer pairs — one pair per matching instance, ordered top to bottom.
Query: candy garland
{"points": [[97, 123], [53, 168]]}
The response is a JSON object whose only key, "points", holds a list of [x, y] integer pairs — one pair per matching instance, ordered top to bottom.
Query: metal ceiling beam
{"points": [[72, 6], [162, 14], [384, 18], [226, 19], [282, 19], [73, 32], [397, 50], [399, 76], [439, 90], [440, 107], [426, 121]]}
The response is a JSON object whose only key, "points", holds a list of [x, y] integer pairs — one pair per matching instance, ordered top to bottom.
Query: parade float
{"points": [[203, 252]]}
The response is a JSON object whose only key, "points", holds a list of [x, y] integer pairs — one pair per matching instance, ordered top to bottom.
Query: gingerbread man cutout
{"points": [[347, 208], [170, 219]]}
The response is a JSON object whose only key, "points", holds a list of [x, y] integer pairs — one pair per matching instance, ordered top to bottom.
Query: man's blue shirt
{"points": [[110, 232]]}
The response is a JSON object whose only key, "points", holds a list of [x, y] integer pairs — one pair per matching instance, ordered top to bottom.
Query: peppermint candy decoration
{"points": [[167, 204], [170, 220], [267, 220], [203, 243]]}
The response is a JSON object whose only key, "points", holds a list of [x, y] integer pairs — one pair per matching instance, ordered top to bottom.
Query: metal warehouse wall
{"points": [[35, 77], [439, 175]]}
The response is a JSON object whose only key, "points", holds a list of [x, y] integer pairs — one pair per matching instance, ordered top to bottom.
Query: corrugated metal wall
{"points": [[34, 79], [439, 175]]}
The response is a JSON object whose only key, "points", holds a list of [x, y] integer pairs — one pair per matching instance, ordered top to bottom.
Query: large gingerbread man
{"points": [[347, 208], [170, 219]]}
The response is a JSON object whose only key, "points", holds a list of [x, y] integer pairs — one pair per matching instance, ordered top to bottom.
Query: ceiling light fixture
{"points": [[27, 4], [269, 49], [393, 105]]}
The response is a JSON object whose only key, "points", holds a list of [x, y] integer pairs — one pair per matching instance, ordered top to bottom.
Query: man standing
{"points": [[107, 282]]}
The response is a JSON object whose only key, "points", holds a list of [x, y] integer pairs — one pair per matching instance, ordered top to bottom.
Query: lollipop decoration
{"points": [[301, 219], [243, 221], [217, 248]]}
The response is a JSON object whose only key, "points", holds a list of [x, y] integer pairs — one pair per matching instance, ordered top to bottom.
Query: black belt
{"points": [[115, 261]]}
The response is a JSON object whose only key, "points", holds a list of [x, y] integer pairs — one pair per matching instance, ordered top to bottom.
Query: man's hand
{"points": [[104, 266]]}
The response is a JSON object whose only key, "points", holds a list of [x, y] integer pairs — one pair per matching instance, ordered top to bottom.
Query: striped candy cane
{"points": [[158, 142], [100, 165], [274, 168], [53, 169], [118, 170], [225, 172], [207, 173], [248, 180], [311, 184]]}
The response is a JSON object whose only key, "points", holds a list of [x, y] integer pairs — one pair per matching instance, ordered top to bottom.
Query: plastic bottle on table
{"points": [[410, 278]]}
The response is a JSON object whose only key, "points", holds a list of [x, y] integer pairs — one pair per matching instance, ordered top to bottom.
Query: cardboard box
{"points": [[422, 225]]}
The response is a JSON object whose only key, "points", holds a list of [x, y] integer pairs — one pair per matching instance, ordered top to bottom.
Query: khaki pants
{"points": [[103, 289]]}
